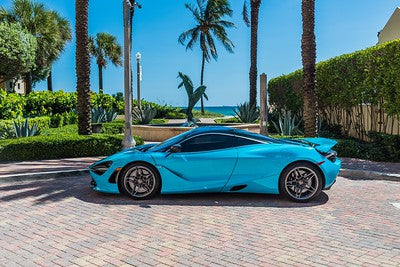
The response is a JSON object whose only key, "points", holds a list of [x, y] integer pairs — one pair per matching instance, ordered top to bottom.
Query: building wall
{"points": [[391, 31], [17, 86]]}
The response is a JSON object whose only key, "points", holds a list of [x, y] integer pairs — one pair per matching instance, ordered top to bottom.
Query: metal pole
{"points": [[138, 80], [263, 105], [128, 136]]}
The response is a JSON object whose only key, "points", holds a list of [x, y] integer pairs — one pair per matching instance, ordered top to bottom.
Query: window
{"points": [[208, 142], [246, 142]]}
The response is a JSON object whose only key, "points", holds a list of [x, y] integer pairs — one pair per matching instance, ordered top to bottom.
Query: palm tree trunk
{"points": [[255, 8], [308, 52], [203, 62], [83, 67], [100, 78], [50, 82], [28, 83]]}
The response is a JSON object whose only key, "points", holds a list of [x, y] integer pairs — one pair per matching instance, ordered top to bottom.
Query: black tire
{"points": [[132, 180], [294, 184]]}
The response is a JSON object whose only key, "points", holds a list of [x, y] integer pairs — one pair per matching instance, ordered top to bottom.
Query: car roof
{"points": [[211, 129], [229, 130]]}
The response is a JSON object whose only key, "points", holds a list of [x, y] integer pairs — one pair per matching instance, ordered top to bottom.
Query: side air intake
{"points": [[238, 187]]}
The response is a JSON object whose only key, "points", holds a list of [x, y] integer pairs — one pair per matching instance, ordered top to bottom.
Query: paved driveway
{"points": [[63, 222]]}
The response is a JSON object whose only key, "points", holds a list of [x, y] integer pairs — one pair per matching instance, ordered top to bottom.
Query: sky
{"points": [[342, 26]]}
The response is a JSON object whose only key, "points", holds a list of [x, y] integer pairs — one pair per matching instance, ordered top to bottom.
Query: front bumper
{"points": [[102, 182]]}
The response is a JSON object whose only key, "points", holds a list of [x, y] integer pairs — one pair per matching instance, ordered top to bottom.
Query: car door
{"points": [[205, 164]]}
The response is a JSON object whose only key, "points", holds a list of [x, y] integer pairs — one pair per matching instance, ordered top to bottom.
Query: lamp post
{"points": [[128, 9], [139, 78]]}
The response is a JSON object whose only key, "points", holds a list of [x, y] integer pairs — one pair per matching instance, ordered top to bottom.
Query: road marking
{"points": [[397, 205]]}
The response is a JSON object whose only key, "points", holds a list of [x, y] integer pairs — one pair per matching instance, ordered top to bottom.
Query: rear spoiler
{"points": [[320, 144]]}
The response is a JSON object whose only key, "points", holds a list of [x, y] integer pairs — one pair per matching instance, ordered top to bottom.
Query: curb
{"points": [[42, 175], [368, 175]]}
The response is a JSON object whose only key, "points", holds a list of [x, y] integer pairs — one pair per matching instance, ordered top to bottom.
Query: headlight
{"points": [[101, 168]]}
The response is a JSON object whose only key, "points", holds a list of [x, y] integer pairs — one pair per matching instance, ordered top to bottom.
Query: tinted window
{"points": [[208, 142], [245, 142]]}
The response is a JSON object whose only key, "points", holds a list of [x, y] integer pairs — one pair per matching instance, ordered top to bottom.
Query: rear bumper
{"points": [[331, 171]]}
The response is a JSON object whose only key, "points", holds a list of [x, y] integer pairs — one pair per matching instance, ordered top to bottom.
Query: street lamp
{"points": [[139, 78]]}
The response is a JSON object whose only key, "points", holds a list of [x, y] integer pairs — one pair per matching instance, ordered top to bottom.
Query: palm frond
{"points": [[245, 14]]}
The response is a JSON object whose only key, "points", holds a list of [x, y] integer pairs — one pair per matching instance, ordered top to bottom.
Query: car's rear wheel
{"points": [[139, 180], [301, 182]]}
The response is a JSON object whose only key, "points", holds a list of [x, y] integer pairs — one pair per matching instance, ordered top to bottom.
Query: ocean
{"points": [[224, 110]]}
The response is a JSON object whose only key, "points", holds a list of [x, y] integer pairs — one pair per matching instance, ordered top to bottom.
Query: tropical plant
{"points": [[253, 24], [209, 25], [51, 30], [64, 36], [103, 48], [17, 50], [308, 53], [83, 67], [193, 95], [246, 113], [98, 115], [110, 115], [144, 115], [287, 124], [22, 129]]}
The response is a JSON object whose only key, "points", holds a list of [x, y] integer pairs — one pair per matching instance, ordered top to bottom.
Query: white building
{"points": [[391, 31], [14, 86]]}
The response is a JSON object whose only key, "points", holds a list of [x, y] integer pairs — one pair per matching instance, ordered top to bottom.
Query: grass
{"points": [[207, 114], [229, 120]]}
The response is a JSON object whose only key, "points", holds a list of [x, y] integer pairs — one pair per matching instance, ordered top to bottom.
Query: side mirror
{"points": [[175, 149]]}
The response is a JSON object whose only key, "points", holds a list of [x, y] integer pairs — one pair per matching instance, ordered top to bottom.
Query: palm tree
{"points": [[253, 23], [209, 26], [51, 30], [64, 36], [103, 48], [308, 52], [83, 67]]}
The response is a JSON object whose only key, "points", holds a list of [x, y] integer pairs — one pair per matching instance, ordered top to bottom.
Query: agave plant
{"points": [[193, 96], [246, 113], [98, 115], [110, 115], [144, 115], [287, 124], [22, 129]]}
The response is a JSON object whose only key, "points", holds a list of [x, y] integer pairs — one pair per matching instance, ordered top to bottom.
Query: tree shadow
{"points": [[54, 190]]}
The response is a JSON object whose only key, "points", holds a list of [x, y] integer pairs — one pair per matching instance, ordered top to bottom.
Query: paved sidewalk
{"points": [[53, 165], [65, 223]]}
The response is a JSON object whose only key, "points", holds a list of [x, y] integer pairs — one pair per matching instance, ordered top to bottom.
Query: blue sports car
{"points": [[220, 159]]}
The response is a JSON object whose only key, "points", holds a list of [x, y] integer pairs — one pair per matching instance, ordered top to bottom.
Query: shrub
{"points": [[39, 104], [11, 105], [246, 113], [144, 115], [175, 115], [70, 118], [57, 120], [43, 123], [113, 128], [22, 129], [60, 146], [382, 147]]}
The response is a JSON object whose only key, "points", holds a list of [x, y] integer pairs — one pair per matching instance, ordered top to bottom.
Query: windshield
{"points": [[169, 142]]}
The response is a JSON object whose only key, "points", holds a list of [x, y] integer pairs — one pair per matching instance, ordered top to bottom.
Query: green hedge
{"points": [[367, 76], [47, 103], [42, 122], [60, 146]]}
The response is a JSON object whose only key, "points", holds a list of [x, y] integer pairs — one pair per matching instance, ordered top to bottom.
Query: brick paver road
{"points": [[62, 222]]}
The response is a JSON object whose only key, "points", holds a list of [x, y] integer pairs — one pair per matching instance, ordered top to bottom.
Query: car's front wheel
{"points": [[139, 181], [301, 182]]}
